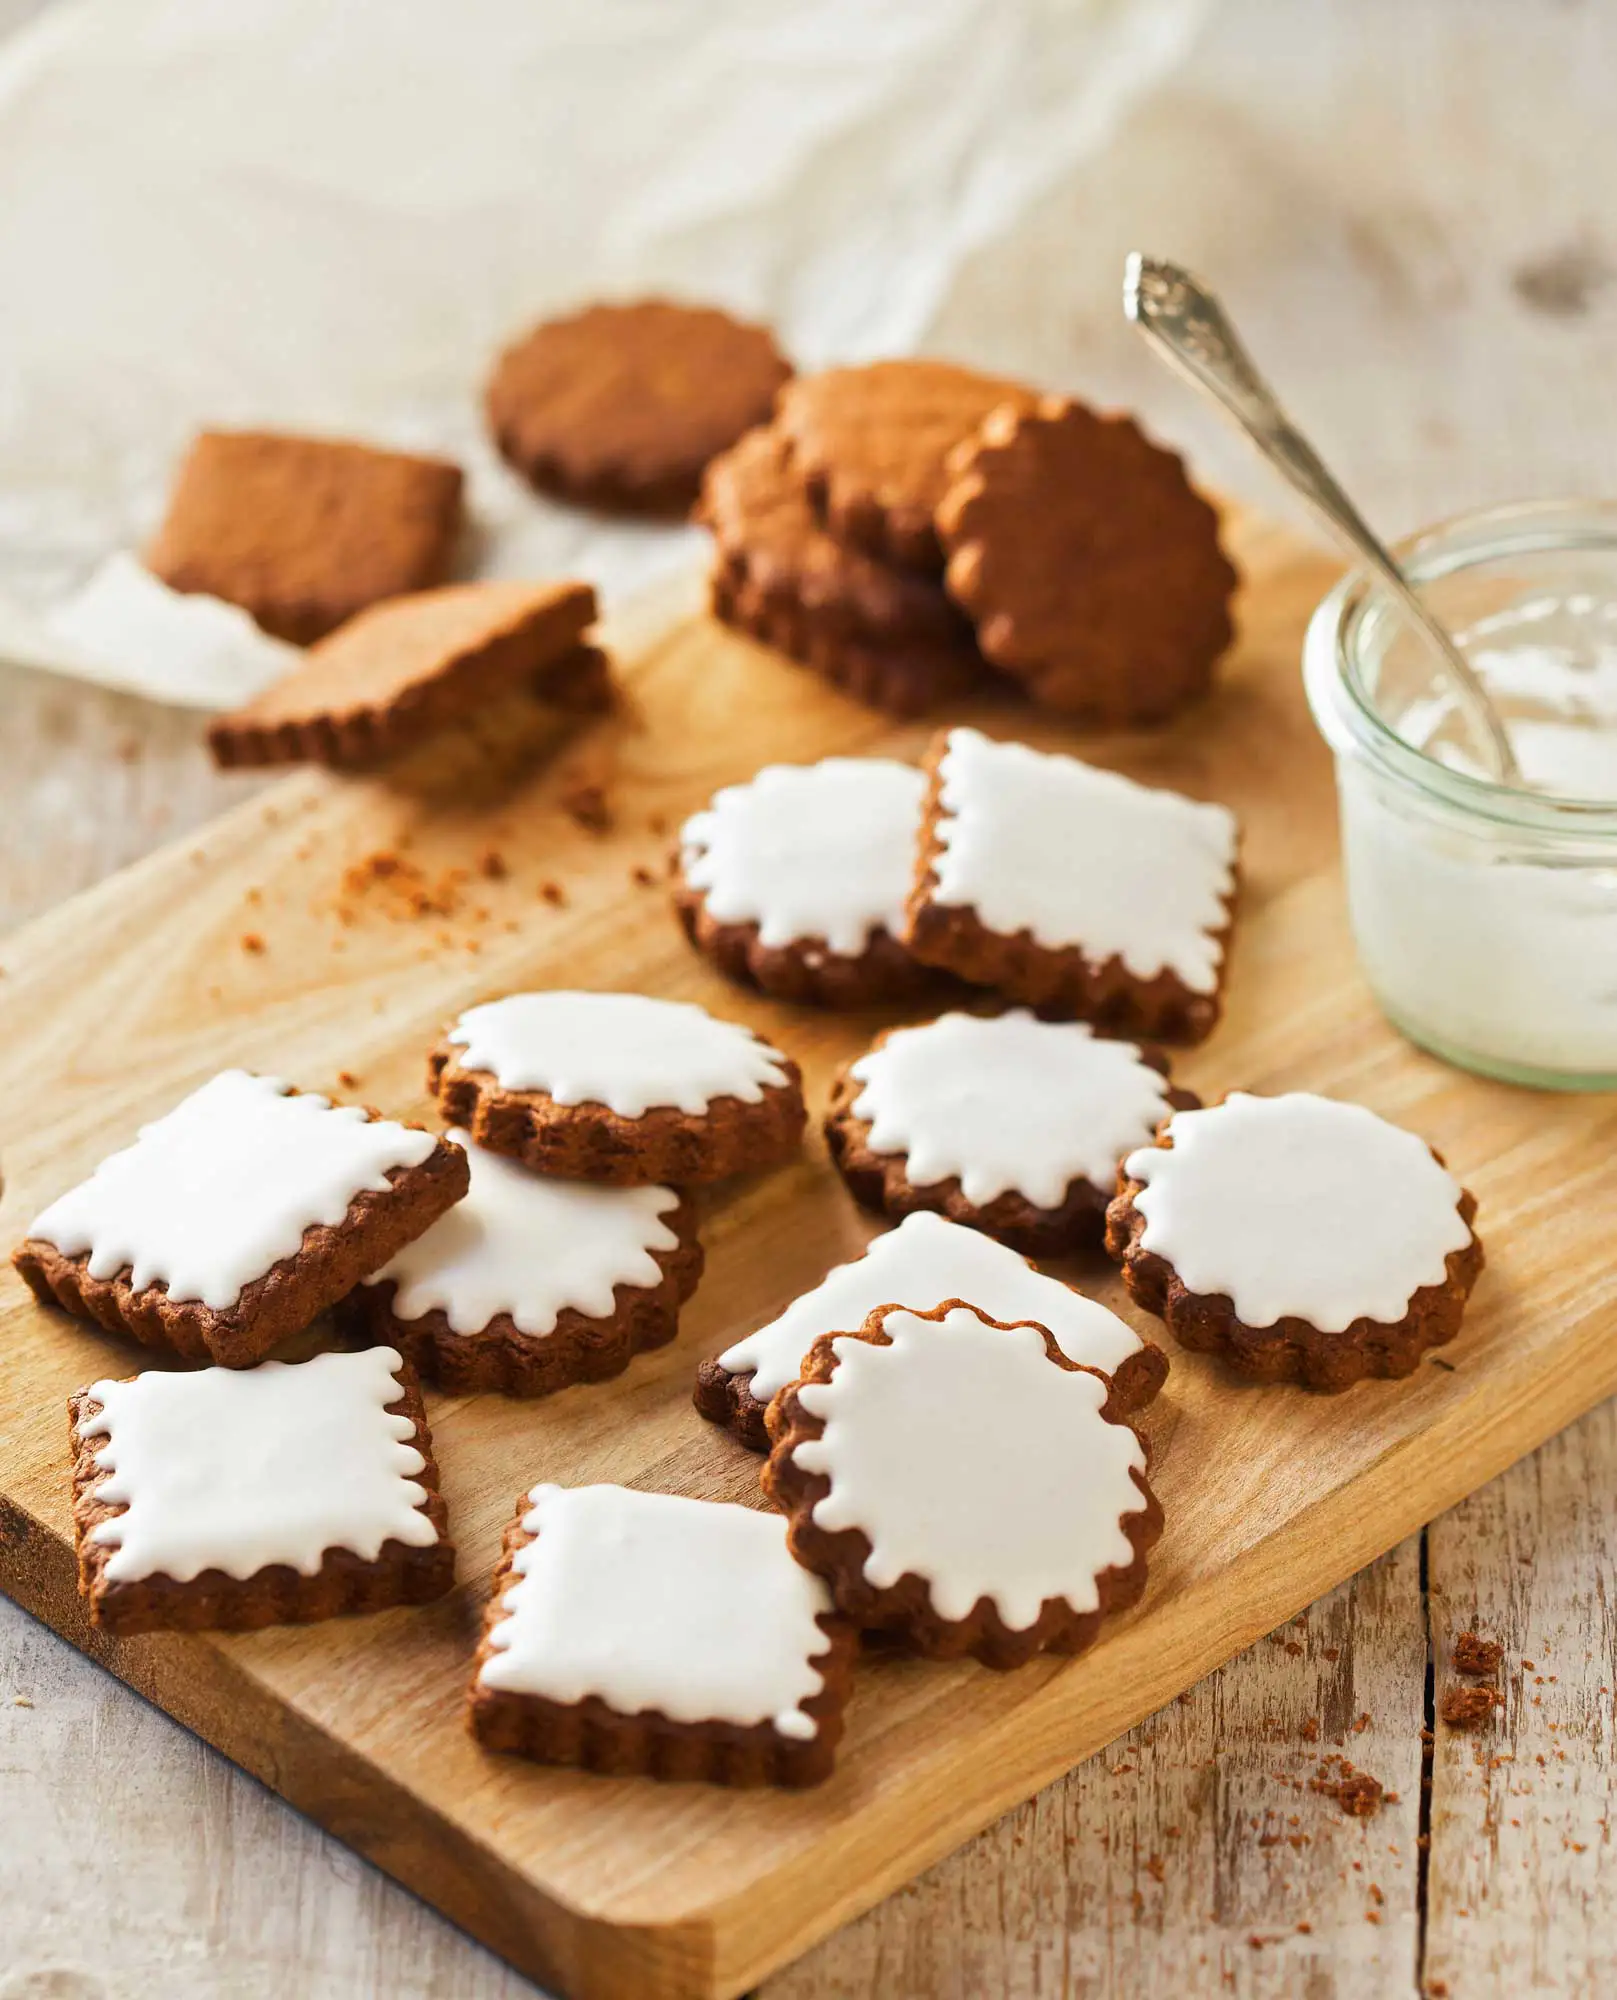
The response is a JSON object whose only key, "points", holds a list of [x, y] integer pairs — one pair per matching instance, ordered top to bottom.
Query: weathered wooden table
{"points": [[1413, 237]]}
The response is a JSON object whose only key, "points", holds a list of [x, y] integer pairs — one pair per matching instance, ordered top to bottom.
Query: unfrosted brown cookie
{"points": [[621, 406], [870, 444], [303, 532], [1088, 563], [403, 670], [795, 881], [1073, 889], [618, 1087], [1004, 1123], [238, 1218], [1299, 1238], [533, 1283], [959, 1483], [266, 1496], [646, 1634]]}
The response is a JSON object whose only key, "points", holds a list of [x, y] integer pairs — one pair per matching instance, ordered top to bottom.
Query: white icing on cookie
{"points": [[803, 851], [1084, 858], [622, 1050], [1008, 1104], [212, 1195], [1299, 1207], [533, 1247], [922, 1262], [969, 1459], [237, 1468], [695, 1608]]}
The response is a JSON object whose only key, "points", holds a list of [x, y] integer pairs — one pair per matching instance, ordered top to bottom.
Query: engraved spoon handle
{"points": [[1190, 329]]}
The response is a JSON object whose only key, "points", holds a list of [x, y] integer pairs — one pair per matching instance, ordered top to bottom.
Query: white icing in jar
{"points": [[1486, 916]]}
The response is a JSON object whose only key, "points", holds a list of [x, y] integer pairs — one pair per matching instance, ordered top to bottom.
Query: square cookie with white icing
{"points": [[1073, 889], [618, 1087], [1003, 1122], [238, 1217], [1299, 1238], [925, 1257], [533, 1283], [960, 1483], [238, 1497], [632, 1632]]}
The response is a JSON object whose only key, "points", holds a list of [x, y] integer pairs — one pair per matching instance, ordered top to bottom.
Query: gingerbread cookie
{"points": [[621, 406], [870, 444], [303, 532], [1089, 564], [402, 671], [795, 881], [1073, 889], [617, 1087], [1005, 1123], [238, 1217], [1302, 1239], [923, 1255], [531, 1283], [959, 1482], [272, 1495], [641, 1632]]}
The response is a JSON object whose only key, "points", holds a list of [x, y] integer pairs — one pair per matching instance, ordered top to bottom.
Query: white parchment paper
{"points": [[293, 213]]}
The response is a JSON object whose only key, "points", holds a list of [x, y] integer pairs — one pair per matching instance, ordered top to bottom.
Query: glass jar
{"points": [[1485, 916]]}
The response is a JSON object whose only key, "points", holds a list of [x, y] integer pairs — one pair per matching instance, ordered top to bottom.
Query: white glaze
{"points": [[810, 851], [1083, 858], [625, 1051], [1008, 1104], [222, 1187], [1299, 1207], [533, 1247], [921, 1263], [969, 1459], [237, 1468], [695, 1608]]}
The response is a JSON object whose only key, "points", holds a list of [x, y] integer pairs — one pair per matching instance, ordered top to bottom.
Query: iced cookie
{"points": [[621, 406], [303, 532], [1089, 563], [795, 882], [1073, 889], [616, 1087], [1004, 1123], [238, 1217], [1302, 1239], [923, 1256], [532, 1283], [962, 1484], [225, 1497], [632, 1632]]}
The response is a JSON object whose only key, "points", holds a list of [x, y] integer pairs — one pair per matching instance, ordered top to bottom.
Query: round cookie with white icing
{"points": [[795, 882], [617, 1087], [1005, 1123], [1300, 1238], [533, 1283], [959, 1482]]}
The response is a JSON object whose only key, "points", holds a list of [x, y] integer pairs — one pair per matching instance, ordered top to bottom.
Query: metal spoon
{"points": [[1189, 327]]}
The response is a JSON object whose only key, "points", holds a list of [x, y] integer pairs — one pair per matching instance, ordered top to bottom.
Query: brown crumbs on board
{"points": [[586, 806], [253, 944], [1478, 1656], [1470, 1707]]}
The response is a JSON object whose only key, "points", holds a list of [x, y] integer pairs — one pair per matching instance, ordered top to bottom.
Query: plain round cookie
{"points": [[622, 406], [871, 443], [1089, 565], [905, 1140], [1299, 1238]]}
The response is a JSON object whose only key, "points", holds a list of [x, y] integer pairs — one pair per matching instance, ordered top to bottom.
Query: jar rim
{"points": [[1349, 718]]}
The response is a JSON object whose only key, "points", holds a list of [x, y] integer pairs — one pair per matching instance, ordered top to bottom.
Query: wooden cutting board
{"points": [[278, 941]]}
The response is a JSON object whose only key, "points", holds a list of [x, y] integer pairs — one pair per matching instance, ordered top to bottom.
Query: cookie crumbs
{"points": [[586, 806], [656, 823], [492, 866], [642, 878], [403, 886], [554, 894], [253, 944], [347, 1079], [1477, 1656], [21, 1701], [1470, 1707], [1311, 1730], [1356, 1792], [1305, 1929]]}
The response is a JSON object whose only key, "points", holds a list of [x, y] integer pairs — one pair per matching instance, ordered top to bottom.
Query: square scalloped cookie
{"points": [[1072, 888]]}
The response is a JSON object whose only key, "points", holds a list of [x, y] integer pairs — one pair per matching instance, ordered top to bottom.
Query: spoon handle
{"points": [[1182, 319]]}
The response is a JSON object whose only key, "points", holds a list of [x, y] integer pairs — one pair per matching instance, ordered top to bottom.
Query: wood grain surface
{"points": [[274, 940]]}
